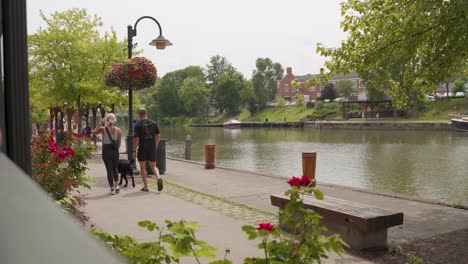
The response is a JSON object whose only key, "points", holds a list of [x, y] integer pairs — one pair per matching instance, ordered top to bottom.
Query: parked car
{"points": [[460, 94], [445, 95], [430, 96], [291, 103], [271, 104]]}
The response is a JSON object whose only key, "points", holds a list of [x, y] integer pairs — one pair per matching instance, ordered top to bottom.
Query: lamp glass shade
{"points": [[160, 42]]}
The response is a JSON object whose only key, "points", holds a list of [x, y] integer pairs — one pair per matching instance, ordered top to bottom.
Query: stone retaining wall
{"points": [[376, 125]]}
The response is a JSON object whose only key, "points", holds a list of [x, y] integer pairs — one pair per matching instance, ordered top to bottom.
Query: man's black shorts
{"points": [[147, 155]]}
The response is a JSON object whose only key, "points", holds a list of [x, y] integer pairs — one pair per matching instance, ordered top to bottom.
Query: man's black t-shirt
{"points": [[146, 130]]}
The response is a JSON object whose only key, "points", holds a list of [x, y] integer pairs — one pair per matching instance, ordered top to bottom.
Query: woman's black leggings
{"points": [[111, 158]]}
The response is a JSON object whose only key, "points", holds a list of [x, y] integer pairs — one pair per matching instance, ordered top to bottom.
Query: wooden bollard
{"points": [[188, 147], [209, 156], [309, 161]]}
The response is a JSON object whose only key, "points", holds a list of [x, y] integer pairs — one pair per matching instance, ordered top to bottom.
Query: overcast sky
{"points": [[240, 30]]}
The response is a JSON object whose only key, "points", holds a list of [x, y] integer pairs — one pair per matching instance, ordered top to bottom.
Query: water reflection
{"points": [[423, 164]]}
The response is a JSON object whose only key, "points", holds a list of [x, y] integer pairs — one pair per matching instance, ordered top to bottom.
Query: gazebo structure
{"points": [[365, 104]]}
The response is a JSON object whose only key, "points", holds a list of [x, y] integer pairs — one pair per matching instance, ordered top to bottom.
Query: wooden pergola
{"points": [[365, 104]]}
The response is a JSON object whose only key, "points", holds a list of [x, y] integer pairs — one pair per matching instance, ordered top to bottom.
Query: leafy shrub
{"points": [[300, 100], [281, 102], [310, 104], [319, 105], [61, 171], [179, 237], [306, 244], [394, 248], [412, 259]]}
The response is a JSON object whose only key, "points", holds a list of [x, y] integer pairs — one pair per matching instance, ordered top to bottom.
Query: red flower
{"points": [[78, 135], [53, 147], [69, 151], [63, 154], [295, 181], [304, 181], [265, 226]]}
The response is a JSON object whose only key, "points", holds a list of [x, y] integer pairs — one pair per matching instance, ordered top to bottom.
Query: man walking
{"points": [[147, 140]]}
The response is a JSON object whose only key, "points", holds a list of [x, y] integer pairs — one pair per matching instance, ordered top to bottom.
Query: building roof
{"points": [[340, 76]]}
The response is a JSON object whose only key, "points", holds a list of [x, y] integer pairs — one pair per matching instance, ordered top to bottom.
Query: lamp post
{"points": [[160, 43]]}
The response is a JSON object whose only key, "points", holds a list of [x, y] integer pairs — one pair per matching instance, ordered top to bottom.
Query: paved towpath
{"points": [[221, 217], [421, 219]]}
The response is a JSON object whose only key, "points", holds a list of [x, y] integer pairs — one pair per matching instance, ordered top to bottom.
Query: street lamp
{"points": [[160, 43]]}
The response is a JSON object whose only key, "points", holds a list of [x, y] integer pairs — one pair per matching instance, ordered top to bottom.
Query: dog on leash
{"points": [[125, 167]]}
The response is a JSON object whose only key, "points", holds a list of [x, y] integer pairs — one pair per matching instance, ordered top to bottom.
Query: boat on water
{"points": [[232, 123], [460, 124]]}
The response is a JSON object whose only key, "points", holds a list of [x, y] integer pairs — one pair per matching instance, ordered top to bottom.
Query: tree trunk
{"points": [[447, 87], [78, 105], [113, 108], [56, 112], [94, 112], [103, 112], [70, 113], [86, 114], [51, 118], [61, 119]]}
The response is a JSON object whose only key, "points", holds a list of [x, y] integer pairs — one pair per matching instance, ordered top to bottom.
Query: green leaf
{"points": [[318, 194]]}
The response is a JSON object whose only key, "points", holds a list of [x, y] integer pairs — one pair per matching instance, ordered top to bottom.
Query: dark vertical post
{"points": [[130, 98], [343, 111], [366, 113], [17, 120], [188, 147], [209, 156], [309, 161]]}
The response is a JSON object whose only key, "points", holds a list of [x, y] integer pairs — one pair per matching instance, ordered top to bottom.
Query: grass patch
{"points": [[441, 110], [278, 114]]}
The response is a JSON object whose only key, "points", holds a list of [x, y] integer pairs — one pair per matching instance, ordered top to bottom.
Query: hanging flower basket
{"points": [[136, 73]]}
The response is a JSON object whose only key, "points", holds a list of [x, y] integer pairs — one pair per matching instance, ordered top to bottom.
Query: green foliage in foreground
{"points": [[179, 237], [306, 244]]}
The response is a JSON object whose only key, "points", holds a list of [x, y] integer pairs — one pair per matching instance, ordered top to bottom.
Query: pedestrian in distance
{"points": [[111, 138], [146, 141]]}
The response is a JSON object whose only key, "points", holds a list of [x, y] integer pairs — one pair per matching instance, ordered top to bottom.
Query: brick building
{"points": [[287, 91]]}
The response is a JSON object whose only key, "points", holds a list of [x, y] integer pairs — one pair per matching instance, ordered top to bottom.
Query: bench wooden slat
{"points": [[356, 215]]}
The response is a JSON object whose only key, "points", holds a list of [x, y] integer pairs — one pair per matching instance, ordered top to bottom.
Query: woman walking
{"points": [[111, 138]]}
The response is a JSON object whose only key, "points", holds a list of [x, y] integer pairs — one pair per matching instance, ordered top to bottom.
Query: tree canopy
{"points": [[404, 46], [67, 61], [265, 80], [345, 87], [228, 92], [329, 92], [166, 94], [194, 96]]}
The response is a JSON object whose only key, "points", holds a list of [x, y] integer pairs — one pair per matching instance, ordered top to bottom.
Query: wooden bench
{"points": [[361, 226]]}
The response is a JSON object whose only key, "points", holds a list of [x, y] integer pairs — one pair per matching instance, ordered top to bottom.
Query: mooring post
{"points": [[188, 147], [209, 156], [309, 161]]}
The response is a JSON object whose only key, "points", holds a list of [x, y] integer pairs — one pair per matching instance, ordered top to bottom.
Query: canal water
{"points": [[422, 164]]}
